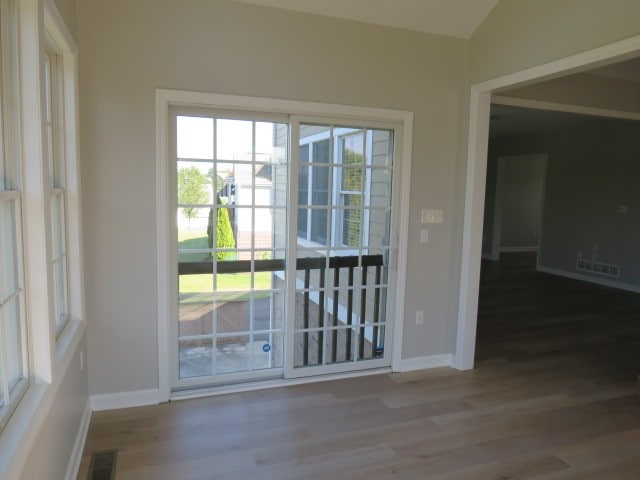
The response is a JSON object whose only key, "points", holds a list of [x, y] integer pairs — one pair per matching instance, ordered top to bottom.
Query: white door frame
{"points": [[480, 106], [166, 282]]}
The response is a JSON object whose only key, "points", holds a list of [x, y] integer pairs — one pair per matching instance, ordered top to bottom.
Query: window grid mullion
{"points": [[214, 246], [5, 359]]}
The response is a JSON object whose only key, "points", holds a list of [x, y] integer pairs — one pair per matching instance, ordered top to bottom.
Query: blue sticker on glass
{"points": [[266, 348]]}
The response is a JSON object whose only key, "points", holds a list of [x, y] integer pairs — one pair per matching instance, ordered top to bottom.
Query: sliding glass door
{"points": [[231, 216], [282, 252], [339, 282]]}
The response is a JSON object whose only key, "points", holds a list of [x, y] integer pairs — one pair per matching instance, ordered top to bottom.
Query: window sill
{"points": [[67, 340], [21, 430]]}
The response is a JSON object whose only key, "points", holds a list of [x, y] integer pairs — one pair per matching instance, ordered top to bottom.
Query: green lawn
{"points": [[225, 282]]}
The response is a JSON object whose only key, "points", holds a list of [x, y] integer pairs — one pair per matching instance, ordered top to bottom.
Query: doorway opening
{"points": [[481, 95]]}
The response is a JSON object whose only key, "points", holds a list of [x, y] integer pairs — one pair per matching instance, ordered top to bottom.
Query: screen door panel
{"points": [[342, 248]]}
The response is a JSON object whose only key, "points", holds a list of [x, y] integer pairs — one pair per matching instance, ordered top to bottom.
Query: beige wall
{"points": [[519, 34], [128, 49], [50, 456]]}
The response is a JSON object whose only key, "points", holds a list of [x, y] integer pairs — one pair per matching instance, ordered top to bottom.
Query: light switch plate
{"points": [[431, 216]]}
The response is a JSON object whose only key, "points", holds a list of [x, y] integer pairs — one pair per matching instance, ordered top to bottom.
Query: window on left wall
{"points": [[55, 159], [41, 294], [14, 368]]}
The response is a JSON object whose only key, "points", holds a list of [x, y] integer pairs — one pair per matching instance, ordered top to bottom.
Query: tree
{"points": [[192, 189], [224, 232]]}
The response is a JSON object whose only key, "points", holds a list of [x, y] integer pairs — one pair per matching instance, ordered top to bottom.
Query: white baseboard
{"points": [[518, 249], [606, 282], [423, 363], [114, 401], [78, 446]]}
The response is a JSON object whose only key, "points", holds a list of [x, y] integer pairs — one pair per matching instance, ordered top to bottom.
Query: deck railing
{"points": [[337, 264]]}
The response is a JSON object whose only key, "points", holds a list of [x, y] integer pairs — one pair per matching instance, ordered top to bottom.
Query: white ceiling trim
{"points": [[454, 18]]}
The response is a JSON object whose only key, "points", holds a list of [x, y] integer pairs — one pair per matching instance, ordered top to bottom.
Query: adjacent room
{"points": [[302, 239]]}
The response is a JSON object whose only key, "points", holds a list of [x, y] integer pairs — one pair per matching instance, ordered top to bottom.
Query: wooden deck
{"points": [[554, 396]]}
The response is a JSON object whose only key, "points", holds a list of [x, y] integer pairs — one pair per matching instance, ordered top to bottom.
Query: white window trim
{"points": [[64, 46], [55, 120], [12, 198], [398, 260], [49, 360]]}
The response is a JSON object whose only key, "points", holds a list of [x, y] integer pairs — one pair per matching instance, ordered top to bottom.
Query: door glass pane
{"points": [[195, 137], [235, 139], [381, 148], [320, 186], [351, 222], [318, 226], [231, 254], [340, 304], [196, 357]]}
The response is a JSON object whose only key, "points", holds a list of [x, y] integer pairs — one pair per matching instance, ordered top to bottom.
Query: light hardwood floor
{"points": [[554, 396]]}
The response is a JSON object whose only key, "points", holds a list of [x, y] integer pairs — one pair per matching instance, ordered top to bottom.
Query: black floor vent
{"points": [[103, 466]]}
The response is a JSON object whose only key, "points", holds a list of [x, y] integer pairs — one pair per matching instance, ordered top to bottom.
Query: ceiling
{"points": [[454, 18], [628, 70], [507, 121]]}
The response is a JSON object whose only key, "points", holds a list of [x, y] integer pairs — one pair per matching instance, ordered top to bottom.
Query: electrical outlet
{"points": [[419, 317]]}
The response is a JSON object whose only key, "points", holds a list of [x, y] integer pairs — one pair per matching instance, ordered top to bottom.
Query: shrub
{"points": [[224, 233]]}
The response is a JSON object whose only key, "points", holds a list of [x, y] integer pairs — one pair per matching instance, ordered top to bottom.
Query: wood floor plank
{"points": [[554, 396]]}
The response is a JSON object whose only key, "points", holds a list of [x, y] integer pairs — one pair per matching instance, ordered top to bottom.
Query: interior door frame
{"points": [[477, 146], [496, 237], [166, 283]]}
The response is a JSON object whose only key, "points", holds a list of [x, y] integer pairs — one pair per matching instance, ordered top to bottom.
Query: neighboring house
{"points": [[243, 187], [103, 352]]}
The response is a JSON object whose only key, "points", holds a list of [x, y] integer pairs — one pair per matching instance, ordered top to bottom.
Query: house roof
{"points": [[454, 18]]}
